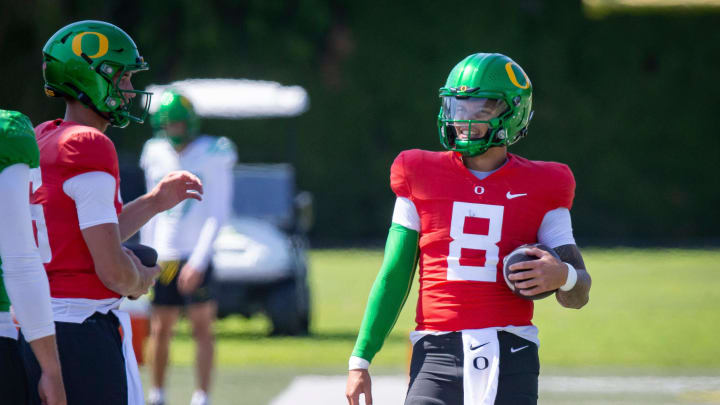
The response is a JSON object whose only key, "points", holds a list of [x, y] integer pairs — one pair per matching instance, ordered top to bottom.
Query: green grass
{"points": [[656, 308], [648, 309]]}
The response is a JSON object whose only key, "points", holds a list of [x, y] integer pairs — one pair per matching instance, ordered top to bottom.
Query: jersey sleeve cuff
{"points": [[405, 213], [108, 220], [200, 264], [31, 334], [358, 363]]}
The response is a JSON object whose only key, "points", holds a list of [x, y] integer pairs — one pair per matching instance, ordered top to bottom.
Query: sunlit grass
{"points": [[648, 308]]}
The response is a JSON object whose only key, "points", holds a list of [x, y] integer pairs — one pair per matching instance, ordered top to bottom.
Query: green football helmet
{"points": [[86, 61], [486, 102], [175, 107]]}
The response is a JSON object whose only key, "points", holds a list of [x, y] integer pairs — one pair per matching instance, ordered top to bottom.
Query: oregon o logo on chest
{"points": [[102, 44], [479, 190]]}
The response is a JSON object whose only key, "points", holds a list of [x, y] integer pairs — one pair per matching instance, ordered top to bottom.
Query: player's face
{"points": [[126, 84], [470, 115], [178, 128]]}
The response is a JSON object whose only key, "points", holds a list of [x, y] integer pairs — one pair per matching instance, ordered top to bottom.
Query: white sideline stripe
{"points": [[639, 385], [323, 389], [391, 389]]}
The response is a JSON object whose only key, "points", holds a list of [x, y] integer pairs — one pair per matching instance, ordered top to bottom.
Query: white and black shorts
{"points": [[486, 367]]}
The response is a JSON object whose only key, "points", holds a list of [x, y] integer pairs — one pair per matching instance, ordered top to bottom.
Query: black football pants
{"points": [[92, 362], [436, 371], [12, 374]]}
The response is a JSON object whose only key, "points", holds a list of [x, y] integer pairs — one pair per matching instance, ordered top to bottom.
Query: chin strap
{"points": [[83, 98], [523, 132]]}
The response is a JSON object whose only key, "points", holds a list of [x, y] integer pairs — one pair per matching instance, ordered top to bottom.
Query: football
{"points": [[147, 255], [520, 255]]}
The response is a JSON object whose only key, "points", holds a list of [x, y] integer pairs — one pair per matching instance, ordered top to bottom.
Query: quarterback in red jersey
{"points": [[72, 150], [459, 213], [79, 217]]}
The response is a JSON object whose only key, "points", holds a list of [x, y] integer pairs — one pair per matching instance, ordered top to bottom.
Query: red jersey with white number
{"points": [[68, 149], [468, 226]]}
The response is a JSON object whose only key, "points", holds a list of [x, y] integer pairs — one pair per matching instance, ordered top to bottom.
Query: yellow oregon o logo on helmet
{"points": [[102, 44], [513, 79], [185, 102]]}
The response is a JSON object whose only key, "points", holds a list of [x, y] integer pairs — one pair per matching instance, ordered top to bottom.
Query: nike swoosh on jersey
{"points": [[511, 196], [515, 350]]}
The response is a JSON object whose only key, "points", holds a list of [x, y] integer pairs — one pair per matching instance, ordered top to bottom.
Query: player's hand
{"points": [[175, 188], [147, 274], [544, 274], [189, 279], [358, 382], [52, 389]]}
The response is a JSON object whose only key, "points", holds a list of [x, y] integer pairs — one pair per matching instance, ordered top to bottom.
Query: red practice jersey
{"points": [[68, 149], [468, 226]]}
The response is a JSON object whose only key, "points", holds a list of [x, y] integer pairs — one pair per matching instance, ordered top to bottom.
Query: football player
{"points": [[458, 213], [79, 216], [183, 236], [23, 277]]}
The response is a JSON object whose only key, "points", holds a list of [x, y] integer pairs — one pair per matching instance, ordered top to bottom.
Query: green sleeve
{"points": [[389, 292], [4, 300]]}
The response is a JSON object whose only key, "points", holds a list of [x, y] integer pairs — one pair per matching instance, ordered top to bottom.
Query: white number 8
{"points": [[38, 217], [462, 240]]}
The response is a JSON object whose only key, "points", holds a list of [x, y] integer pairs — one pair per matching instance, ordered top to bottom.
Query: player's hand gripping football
{"points": [[175, 188], [147, 274], [544, 274], [189, 279], [358, 382]]}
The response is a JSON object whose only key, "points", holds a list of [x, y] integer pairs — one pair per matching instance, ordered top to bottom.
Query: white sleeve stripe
{"points": [[94, 194], [406, 214], [100, 221], [556, 228]]}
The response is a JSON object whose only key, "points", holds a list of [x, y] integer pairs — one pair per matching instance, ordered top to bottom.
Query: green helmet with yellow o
{"points": [[86, 60], [485, 102], [175, 107]]}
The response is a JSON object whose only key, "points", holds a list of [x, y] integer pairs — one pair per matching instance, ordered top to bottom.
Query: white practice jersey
{"points": [[188, 230]]}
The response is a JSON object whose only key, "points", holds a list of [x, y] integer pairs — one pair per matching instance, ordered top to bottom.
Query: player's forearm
{"points": [[135, 214], [203, 248], [114, 268], [122, 277], [129, 281], [389, 291], [579, 295], [46, 353]]}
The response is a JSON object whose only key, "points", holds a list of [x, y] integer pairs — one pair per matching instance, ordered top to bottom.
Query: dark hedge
{"points": [[629, 102]]}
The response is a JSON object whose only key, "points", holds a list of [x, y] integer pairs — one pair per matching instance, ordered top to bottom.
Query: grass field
{"points": [[651, 312]]}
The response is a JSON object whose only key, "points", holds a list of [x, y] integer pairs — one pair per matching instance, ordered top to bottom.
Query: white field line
{"points": [[639, 385], [391, 389], [321, 390]]}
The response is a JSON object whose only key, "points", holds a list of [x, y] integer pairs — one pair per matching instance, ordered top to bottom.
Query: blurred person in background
{"points": [[459, 213], [79, 216], [184, 235], [23, 277]]}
